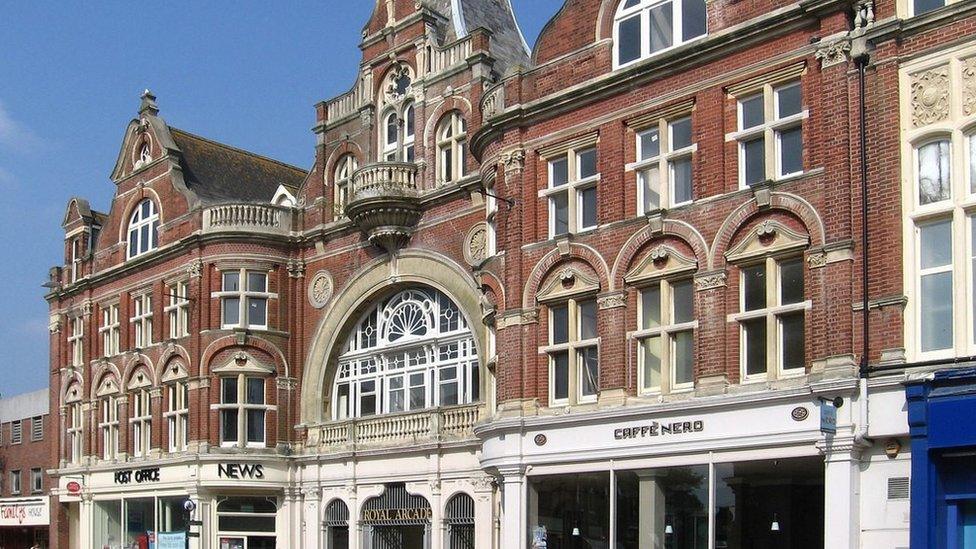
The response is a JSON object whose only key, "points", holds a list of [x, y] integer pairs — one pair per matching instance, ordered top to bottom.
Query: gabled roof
{"points": [[216, 172]]}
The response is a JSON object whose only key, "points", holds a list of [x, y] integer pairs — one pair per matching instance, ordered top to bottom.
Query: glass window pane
{"points": [[924, 6], [692, 18], [661, 31], [629, 39], [788, 101], [752, 112], [680, 134], [649, 144], [791, 151], [754, 158], [586, 163], [558, 172], [933, 172], [681, 180], [650, 181], [588, 207], [560, 212], [144, 239], [936, 244], [972, 254], [232, 281], [791, 281], [257, 282], [754, 287], [682, 300], [650, 308], [231, 311], [257, 311], [936, 311], [587, 320], [560, 323], [754, 339], [792, 340], [683, 357], [651, 362], [560, 374], [589, 375], [448, 386], [255, 390], [228, 393], [367, 404], [228, 425], [255, 425], [669, 505], [574, 509], [140, 520], [107, 523]]}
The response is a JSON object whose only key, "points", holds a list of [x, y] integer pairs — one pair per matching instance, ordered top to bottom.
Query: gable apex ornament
{"points": [[148, 104]]}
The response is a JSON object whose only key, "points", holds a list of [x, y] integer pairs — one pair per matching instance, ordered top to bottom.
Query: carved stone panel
{"points": [[969, 86], [930, 96], [476, 244], [320, 289]]}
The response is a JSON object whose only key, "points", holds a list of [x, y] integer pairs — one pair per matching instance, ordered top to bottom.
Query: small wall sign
{"points": [[240, 471]]}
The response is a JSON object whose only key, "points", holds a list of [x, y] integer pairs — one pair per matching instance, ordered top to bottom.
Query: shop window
{"points": [[646, 27], [770, 134], [452, 135], [664, 169], [342, 183], [572, 191], [143, 229], [244, 299], [178, 310], [142, 320], [772, 320], [109, 330], [666, 337], [76, 341], [412, 351], [573, 351], [242, 411], [178, 416], [141, 421], [109, 427], [37, 428], [16, 431], [75, 431], [37, 481], [15, 482], [669, 504], [573, 509], [172, 516], [107, 523], [246, 523]]}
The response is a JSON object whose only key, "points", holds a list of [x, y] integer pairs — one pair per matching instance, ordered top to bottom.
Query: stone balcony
{"points": [[385, 203], [247, 218], [429, 426]]}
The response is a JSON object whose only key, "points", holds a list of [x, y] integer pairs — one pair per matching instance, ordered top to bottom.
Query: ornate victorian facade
{"points": [[608, 291]]}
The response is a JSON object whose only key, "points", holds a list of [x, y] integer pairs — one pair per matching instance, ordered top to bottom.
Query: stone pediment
{"points": [[768, 238], [662, 262], [566, 283], [244, 362], [175, 371], [108, 386]]}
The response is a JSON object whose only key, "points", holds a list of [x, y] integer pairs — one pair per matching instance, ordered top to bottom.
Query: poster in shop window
{"points": [[171, 540]]}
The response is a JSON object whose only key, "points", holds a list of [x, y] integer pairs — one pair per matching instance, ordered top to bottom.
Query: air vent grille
{"points": [[898, 488]]}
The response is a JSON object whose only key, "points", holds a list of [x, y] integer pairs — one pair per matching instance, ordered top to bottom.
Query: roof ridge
{"points": [[238, 149]]}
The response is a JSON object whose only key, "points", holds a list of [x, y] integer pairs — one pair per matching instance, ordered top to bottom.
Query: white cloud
{"points": [[14, 135]]}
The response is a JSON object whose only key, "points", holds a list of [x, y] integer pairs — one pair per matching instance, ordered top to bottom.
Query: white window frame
{"points": [[910, 7], [643, 10], [409, 123], [770, 130], [453, 144], [664, 162], [342, 183], [573, 188], [137, 221], [491, 234], [75, 259], [244, 296], [178, 310], [773, 312], [142, 320], [109, 330], [667, 330], [76, 341], [573, 348], [242, 407], [177, 416], [141, 422], [109, 427], [37, 428], [17, 431], [74, 431], [37, 480], [15, 487]]}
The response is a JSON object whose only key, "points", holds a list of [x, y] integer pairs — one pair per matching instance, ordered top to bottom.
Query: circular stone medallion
{"points": [[320, 289], [800, 413]]}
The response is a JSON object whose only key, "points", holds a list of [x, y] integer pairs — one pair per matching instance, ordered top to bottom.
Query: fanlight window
{"points": [[143, 229], [412, 351]]}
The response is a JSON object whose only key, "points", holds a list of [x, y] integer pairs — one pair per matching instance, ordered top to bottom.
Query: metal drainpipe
{"points": [[862, 433]]}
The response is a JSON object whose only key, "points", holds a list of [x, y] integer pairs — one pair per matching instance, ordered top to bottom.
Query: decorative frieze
{"points": [[833, 53], [969, 86], [930, 96], [817, 260], [711, 280], [613, 300]]}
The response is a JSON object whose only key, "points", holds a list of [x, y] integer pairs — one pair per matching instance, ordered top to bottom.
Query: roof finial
{"points": [[148, 103]]}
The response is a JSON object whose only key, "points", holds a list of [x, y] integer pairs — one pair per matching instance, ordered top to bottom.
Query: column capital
{"points": [[846, 448]]}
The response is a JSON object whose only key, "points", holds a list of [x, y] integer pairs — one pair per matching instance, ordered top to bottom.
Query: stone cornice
{"points": [[896, 29]]}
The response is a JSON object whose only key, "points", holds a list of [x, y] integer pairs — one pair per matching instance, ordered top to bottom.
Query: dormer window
{"points": [[643, 28], [143, 229]]}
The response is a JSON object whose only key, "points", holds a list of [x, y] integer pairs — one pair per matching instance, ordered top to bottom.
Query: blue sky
{"points": [[245, 73]]}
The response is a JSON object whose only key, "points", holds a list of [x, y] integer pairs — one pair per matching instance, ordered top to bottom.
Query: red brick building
{"points": [[607, 291], [26, 445]]}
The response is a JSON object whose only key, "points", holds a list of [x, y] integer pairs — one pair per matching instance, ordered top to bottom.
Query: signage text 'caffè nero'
{"points": [[655, 429]]}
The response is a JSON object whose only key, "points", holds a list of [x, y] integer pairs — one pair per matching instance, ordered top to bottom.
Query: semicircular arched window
{"points": [[645, 27], [143, 229], [411, 351]]}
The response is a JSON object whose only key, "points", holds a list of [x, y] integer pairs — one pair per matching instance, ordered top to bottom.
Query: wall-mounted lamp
{"points": [[774, 527], [668, 529], [576, 531]]}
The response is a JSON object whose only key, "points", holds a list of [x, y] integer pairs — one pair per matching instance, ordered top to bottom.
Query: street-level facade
{"points": [[606, 292], [25, 458]]}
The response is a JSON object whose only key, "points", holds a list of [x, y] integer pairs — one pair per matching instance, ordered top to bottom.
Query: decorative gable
{"points": [[147, 140], [767, 238], [662, 262], [568, 282], [244, 362], [175, 371], [140, 380], [108, 386]]}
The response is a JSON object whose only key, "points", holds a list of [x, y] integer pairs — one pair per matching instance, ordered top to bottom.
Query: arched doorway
{"points": [[459, 517], [396, 519], [336, 525]]}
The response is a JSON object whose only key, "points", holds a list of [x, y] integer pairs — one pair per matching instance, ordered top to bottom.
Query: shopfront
{"points": [[941, 410], [24, 521]]}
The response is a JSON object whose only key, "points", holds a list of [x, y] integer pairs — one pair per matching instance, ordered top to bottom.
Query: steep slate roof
{"points": [[508, 46], [220, 173]]}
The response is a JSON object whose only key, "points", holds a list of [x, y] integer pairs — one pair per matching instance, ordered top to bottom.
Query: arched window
{"points": [[645, 27], [409, 133], [391, 137], [452, 139], [342, 183], [143, 229], [413, 350], [459, 517], [337, 524]]}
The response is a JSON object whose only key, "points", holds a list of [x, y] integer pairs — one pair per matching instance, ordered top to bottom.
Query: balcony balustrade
{"points": [[385, 203], [253, 218], [455, 423]]}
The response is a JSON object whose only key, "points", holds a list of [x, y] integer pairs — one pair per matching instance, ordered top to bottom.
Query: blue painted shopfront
{"points": [[942, 421]]}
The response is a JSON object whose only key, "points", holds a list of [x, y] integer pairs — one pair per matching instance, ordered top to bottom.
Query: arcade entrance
{"points": [[396, 519]]}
